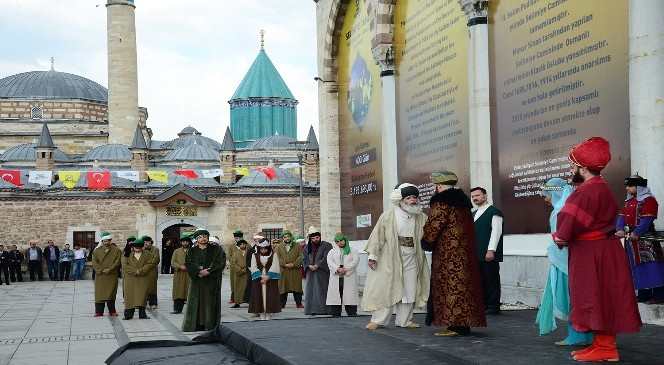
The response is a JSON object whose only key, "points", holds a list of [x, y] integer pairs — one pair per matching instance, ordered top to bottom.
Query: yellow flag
{"points": [[242, 171], [158, 175], [69, 178]]}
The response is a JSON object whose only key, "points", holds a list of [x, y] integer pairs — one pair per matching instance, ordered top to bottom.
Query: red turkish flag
{"points": [[269, 172], [189, 174], [11, 176], [99, 180]]}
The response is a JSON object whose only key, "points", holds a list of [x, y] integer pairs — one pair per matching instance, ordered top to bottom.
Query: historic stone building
{"points": [[61, 133]]}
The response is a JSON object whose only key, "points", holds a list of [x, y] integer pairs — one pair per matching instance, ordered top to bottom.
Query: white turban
{"points": [[396, 196]]}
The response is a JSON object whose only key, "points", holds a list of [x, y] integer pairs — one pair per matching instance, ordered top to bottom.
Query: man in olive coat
{"points": [[154, 252], [290, 259], [106, 262], [205, 264], [138, 267], [180, 275]]}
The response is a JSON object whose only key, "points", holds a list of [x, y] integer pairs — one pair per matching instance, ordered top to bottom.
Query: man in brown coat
{"points": [[154, 252], [290, 259], [106, 262], [138, 267], [180, 275], [456, 299]]}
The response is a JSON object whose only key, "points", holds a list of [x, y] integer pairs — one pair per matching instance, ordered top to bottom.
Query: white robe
{"points": [[350, 261], [385, 286]]}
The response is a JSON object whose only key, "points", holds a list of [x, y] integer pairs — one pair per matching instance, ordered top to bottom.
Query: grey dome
{"points": [[51, 85], [189, 131], [191, 139], [276, 142], [28, 152], [108, 152], [194, 152], [257, 178]]}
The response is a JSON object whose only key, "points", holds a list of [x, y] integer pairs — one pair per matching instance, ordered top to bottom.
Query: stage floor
{"points": [[510, 338]]}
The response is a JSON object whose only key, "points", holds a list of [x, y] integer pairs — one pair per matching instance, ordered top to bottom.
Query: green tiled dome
{"points": [[262, 81], [262, 105]]}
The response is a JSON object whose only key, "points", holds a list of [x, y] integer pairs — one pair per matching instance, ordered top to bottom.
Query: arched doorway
{"points": [[170, 241]]}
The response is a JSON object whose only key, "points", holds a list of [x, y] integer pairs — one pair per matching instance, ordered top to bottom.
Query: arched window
{"points": [[36, 112]]}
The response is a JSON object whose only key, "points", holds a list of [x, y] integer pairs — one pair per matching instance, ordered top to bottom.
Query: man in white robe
{"points": [[398, 279]]}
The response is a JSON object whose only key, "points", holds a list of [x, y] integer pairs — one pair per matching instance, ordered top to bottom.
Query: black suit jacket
{"points": [[47, 253]]}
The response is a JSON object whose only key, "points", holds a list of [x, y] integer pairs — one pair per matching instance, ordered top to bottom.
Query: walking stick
{"points": [[264, 291]]}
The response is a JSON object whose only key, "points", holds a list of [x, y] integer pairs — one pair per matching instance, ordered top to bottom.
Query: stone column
{"points": [[384, 55], [122, 71], [646, 94], [479, 129], [45, 160], [330, 183]]}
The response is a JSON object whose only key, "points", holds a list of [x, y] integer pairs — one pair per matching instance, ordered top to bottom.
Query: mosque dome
{"points": [[41, 85], [189, 131], [186, 140], [275, 142], [28, 152], [108, 152], [193, 152]]}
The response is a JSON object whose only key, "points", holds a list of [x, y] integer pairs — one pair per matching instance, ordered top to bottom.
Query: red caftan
{"points": [[600, 282]]}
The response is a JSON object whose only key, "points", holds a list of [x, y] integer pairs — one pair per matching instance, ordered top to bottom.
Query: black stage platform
{"points": [[511, 338]]}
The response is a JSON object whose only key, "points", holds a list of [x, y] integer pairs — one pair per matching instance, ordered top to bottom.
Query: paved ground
{"points": [[52, 323]]}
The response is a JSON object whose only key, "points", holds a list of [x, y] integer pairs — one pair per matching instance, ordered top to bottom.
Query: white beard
{"points": [[411, 209]]}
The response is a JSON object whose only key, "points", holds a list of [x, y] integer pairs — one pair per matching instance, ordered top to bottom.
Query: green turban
{"points": [[200, 232], [238, 233], [287, 233], [185, 236], [340, 237], [138, 243]]}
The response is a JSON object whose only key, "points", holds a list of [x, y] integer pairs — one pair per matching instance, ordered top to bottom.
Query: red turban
{"points": [[593, 153]]}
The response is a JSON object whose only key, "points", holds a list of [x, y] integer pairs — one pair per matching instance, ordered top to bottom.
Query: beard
{"points": [[577, 178], [411, 209]]}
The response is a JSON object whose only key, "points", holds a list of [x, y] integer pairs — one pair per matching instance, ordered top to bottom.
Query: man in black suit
{"points": [[16, 258], [52, 258], [5, 261]]}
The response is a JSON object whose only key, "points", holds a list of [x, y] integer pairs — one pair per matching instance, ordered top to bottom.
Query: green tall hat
{"points": [[138, 243]]}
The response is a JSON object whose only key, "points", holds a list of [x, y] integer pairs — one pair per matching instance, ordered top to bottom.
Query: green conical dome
{"points": [[262, 81], [262, 105]]}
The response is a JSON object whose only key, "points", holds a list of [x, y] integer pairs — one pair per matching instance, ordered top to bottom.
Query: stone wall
{"points": [[54, 109], [58, 219]]}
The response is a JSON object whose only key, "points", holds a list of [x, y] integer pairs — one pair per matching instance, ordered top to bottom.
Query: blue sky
{"points": [[191, 54]]}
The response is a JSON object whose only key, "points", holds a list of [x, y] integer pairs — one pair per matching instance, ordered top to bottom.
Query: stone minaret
{"points": [[122, 71], [45, 151], [139, 154], [227, 158], [311, 159]]}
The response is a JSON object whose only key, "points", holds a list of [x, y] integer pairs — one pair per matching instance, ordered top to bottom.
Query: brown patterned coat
{"points": [[456, 297]]}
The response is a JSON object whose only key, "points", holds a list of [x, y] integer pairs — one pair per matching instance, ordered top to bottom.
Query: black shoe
{"points": [[235, 306], [492, 312], [128, 314], [142, 314]]}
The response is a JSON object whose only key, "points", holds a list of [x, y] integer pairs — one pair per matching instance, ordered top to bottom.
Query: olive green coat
{"points": [[230, 251], [154, 252], [106, 262], [238, 264], [180, 277], [291, 278], [137, 280], [204, 301]]}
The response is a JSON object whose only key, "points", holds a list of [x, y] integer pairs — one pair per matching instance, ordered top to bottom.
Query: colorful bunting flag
{"points": [[242, 171], [268, 171], [189, 174], [211, 174], [129, 175], [158, 175], [11, 176], [41, 177], [69, 178], [99, 180]]}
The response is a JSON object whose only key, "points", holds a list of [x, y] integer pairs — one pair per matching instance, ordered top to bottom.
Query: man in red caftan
{"points": [[600, 282]]}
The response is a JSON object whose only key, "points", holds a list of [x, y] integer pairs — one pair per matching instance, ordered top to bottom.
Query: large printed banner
{"points": [[431, 46], [559, 75], [360, 104]]}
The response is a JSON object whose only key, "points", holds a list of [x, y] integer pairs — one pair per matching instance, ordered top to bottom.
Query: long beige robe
{"points": [[106, 261], [238, 263], [154, 274], [180, 277], [291, 278], [137, 280], [384, 286]]}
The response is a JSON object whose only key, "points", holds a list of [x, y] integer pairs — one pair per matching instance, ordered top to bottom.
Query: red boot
{"points": [[587, 349], [605, 350]]}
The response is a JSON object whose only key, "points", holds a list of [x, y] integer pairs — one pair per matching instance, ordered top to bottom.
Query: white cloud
{"points": [[192, 55]]}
